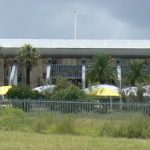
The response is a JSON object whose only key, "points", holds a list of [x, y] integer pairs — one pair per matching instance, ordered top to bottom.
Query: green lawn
{"points": [[13, 140]]}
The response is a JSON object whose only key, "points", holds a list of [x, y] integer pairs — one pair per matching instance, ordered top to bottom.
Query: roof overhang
{"points": [[48, 47]]}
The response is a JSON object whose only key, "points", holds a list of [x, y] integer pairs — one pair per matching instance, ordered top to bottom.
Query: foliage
{"points": [[29, 56], [101, 70], [136, 73], [62, 83], [65, 90], [23, 92], [70, 93], [134, 128]]}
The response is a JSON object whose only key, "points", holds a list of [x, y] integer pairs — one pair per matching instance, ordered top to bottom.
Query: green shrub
{"points": [[62, 83], [65, 90], [23, 92], [70, 93], [133, 128], [139, 128]]}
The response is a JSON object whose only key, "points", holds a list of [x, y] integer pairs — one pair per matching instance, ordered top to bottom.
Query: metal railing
{"points": [[76, 107]]}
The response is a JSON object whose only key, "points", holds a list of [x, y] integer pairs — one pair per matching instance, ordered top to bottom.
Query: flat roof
{"points": [[67, 43], [70, 47]]}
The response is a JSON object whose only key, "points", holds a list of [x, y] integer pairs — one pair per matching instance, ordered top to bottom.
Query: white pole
{"points": [[75, 24]]}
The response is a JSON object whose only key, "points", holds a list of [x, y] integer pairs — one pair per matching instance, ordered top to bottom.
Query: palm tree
{"points": [[29, 56], [101, 70], [136, 73]]}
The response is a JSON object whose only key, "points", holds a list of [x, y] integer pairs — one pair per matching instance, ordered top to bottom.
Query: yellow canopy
{"points": [[4, 89], [104, 91]]}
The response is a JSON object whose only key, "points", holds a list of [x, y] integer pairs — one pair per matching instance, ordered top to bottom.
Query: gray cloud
{"points": [[132, 11], [96, 19]]}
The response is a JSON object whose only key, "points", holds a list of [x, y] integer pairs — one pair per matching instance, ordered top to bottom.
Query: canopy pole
{"points": [[111, 104]]}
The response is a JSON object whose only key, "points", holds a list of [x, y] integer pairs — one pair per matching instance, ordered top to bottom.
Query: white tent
{"points": [[45, 88], [103, 90], [133, 91]]}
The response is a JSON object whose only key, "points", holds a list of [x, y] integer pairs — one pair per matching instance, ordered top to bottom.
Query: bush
{"points": [[62, 83], [65, 90], [23, 92], [70, 93], [134, 128]]}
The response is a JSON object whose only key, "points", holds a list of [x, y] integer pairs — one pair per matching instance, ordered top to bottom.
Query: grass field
{"points": [[116, 125], [48, 131], [15, 140]]}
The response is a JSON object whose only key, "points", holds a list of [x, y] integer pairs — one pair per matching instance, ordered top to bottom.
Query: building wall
{"points": [[38, 73]]}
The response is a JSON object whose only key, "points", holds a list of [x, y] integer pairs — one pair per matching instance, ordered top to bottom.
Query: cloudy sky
{"points": [[96, 19]]}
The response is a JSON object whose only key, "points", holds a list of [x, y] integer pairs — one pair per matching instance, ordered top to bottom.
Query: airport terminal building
{"points": [[66, 56]]}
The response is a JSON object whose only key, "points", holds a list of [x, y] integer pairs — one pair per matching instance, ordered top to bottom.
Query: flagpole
{"points": [[75, 24]]}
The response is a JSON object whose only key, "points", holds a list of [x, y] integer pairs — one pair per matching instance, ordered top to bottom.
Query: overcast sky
{"points": [[96, 19]]}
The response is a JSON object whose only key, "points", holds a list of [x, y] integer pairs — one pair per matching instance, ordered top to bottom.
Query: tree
{"points": [[29, 56], [101, 69], [136, 73]]}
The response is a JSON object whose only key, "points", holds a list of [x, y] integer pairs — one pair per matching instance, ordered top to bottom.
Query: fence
{"points": [[76, 107]]}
